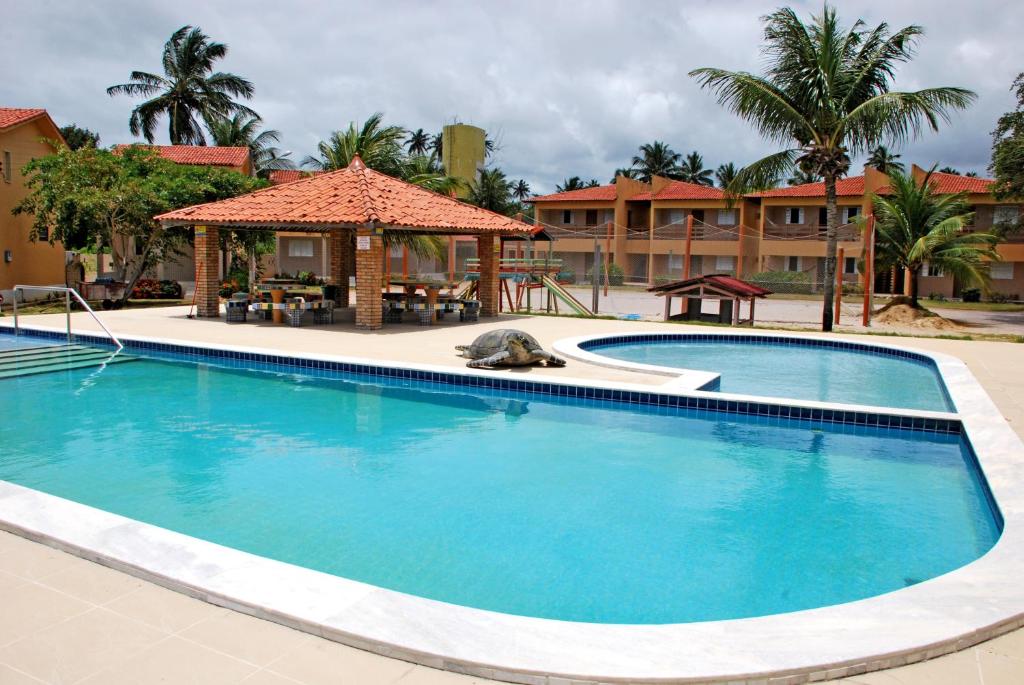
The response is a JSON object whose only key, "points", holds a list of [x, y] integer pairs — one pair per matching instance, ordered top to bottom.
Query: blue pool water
{"points": [[796, 371], [526, 504]]}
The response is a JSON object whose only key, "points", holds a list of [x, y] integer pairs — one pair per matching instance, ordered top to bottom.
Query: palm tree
{"points": [[189, 90], [826, 93], [243, 131], [418, 142], [437, 144], [379, 146], [656, 159], [885, 161], [692, 170], [949, 170], [425, 171], [628, 172], [726, 174], [800, 177], [571, 183], [521, 190], [492, 191], [914, 225]]}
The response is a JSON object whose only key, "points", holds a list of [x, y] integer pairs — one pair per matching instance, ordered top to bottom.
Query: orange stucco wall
{"points": [[32, 263]]}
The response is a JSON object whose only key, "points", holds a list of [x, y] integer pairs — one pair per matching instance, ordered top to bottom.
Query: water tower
{"points": [[462, 153]]}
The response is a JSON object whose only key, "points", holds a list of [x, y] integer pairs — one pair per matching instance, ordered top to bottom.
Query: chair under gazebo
{"points": [[355, 206]]}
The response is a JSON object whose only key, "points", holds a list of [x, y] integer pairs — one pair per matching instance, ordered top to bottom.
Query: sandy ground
{"points": [[66, 620]]}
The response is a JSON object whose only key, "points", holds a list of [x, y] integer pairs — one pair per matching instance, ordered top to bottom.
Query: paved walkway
{"points": [[67, 620]]}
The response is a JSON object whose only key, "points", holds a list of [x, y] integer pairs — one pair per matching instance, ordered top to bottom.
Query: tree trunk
{"points": [[831, 244], [914, 273]]}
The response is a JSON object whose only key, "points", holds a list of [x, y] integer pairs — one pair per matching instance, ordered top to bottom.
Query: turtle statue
{"points": [[506, 347]]}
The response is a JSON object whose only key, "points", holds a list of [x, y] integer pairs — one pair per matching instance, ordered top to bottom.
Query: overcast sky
{"points": [[566, 88]]}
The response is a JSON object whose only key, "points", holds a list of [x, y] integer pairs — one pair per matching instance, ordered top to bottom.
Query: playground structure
{"points": [[527, 275]]}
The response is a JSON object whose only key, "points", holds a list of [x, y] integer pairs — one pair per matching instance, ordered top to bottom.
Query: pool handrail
{"points": [[68, 294]]}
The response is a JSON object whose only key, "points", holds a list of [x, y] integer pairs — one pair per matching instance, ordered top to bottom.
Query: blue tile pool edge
{"points": [[752, 407]]}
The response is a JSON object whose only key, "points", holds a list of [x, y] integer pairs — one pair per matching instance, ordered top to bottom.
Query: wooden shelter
{"points": [[356, 206], [727, 290]]}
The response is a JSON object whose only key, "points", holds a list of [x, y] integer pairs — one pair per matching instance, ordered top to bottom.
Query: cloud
{"points": [[567, 88]]}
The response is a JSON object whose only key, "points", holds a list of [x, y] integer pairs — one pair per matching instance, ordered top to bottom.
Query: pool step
{"points": [[34, 360]]}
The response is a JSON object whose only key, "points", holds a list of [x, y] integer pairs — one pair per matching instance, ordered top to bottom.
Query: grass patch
{"points": [[57, 306], [974, 306]]}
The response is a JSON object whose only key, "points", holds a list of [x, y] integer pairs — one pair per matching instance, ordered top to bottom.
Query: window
{"points": [[7, 169], [850, 213], [698, 214], [1005, 214], [795, 215], [566, 216], [676, 216], [822, 216], [591, 217], [727, 217], [43, 233], [300, 247], [675, 262], [724, 264], [792, 264], [850, 265], [932, 270], [1001, 271]]}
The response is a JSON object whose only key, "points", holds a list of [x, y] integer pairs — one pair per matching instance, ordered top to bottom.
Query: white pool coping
{"points": [[941, 615]]}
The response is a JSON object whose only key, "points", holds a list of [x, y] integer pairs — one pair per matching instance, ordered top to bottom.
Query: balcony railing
{"points": [[561, 231], [772, 231], [678, 232]]}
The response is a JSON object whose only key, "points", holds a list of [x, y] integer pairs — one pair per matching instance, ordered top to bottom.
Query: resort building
{"points": [[24, 135], [644, 227]]}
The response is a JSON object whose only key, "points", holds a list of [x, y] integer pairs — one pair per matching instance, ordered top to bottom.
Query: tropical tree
{"points": [[188, 93], [826, 93], [242, 130], [77, 137], [418, 142], [437, 145], [379, 146], [1008, 147], [656, 159], [884, 160], [692, 170], [950, 170], [426, 171], [628, 172], [726, 174], [800, 177], [571, 183], [521, 190], [492, 191], [91, 197], [914, 225]]}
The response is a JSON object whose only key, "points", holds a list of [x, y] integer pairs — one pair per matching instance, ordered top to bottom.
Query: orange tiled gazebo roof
{"points": [[352, 197]]}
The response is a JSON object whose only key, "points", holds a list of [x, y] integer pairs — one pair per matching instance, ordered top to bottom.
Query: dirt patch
{"points": [[900, 314]]}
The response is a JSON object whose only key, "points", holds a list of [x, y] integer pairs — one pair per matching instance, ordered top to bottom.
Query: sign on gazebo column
{"points": [[369, 274]]}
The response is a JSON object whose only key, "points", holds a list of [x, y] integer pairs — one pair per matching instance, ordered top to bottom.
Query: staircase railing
{"points": [[68, 294]]}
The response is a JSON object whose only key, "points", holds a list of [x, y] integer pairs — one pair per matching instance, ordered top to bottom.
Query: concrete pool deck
{"points": [[1000, 660]]}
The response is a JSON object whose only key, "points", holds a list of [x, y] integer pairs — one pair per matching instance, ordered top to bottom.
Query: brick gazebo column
{"points": [[340, 245], [487, 247], [207, 258], [369, 274]]}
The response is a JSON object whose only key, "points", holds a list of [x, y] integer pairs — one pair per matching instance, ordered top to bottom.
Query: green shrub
{"points": [[566, 275], [616, 275], [796, 282], [152, 289], [971, 295], [1000, 298]]}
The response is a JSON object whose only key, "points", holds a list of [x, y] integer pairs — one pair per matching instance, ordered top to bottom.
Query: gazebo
{"points": [[355, 206], [727, 290]]}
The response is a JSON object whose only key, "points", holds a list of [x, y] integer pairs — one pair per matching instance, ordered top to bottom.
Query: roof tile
{"points": [[12, 116], [198, 155], [279, 176], [845, 187], [683, 190], [594, 194], [353, 196]]}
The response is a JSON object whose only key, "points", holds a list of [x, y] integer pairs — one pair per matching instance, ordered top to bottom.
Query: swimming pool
{"points": [[796, 368], [511, 501]]}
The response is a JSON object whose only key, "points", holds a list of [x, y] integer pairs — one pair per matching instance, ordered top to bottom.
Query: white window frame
{"points": [[1011, 214], [676, 216], [789, 216], [566, 217], [726, 217], [847, 218], [294, 251], [675, 262], [799, 264], [720, 266], [931, 271], [1001, 271]]}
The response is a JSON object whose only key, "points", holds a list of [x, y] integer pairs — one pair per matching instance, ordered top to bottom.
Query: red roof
{"points": [[13, 116], [199, 155], [279, 176], [947, 184], [845, 187], [682, 190], [595, 194], [353, 196], [729, 284]]}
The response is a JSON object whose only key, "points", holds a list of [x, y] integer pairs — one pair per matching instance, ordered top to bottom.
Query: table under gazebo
{"points": [[356, 206]]}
